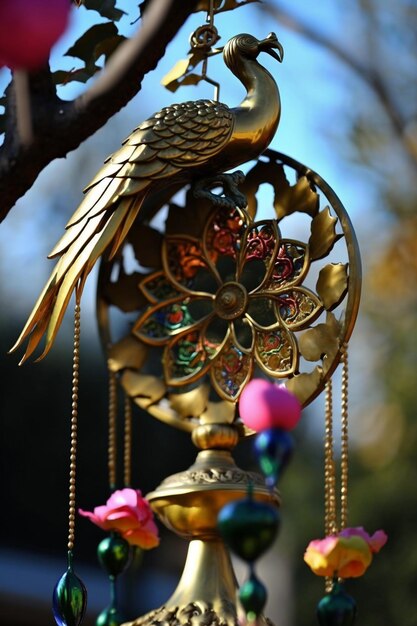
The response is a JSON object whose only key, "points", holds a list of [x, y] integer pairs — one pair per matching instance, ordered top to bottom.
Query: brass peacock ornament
{"points": [[180, 144]]}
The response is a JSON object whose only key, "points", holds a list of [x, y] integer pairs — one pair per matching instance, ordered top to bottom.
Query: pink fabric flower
{"points": [[129, 514], [375, 541], [347, 554]]}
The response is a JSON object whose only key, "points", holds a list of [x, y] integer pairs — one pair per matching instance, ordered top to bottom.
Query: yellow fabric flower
{"points": [[347, 554]]}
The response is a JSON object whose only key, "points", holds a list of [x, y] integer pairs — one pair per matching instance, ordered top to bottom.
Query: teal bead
{"points": [[274, 449], [248, 527], [114, 554], [252, 596], [69, 600], [337, 608], [110, 616]]}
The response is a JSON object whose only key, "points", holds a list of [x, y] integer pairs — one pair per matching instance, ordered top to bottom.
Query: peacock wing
{"points": [[177, 138]]}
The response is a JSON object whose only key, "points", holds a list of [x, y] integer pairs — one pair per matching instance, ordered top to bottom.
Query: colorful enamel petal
{"points": [[223, 234], [182, 258], [256, 259], [291, 264], [157, 288], [298, 307], [164, 320], [276, 352], [185, 359], [231, 371]]}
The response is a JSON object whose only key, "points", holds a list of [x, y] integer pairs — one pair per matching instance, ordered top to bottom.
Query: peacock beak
{"points": [[272, 46]]}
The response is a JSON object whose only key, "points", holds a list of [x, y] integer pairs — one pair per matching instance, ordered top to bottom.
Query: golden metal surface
{"points": [[179, 143], [325, 311]]}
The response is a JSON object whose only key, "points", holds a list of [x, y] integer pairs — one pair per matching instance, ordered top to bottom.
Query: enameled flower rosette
{"points": [[228, 296]]}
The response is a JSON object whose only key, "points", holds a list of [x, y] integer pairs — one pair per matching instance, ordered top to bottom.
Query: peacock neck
{"points": [[257, 116]]}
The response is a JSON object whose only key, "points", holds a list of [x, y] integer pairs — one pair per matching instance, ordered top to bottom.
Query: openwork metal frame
{"points": [[228, 295]]}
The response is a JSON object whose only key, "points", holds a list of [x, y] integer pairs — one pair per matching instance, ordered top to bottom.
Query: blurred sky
{"points": [[315, 90]]}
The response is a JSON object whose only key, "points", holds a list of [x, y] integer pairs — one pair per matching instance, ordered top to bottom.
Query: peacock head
{"points": [[247, 46]]}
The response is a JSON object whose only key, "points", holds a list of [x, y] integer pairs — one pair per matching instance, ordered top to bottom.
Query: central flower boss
{"points": [[231, 300]]}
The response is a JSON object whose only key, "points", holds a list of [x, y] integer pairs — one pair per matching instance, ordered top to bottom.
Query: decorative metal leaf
{"points": [[298, 198], [287, 199], [188, 220], [323, 234], [147, 245], [332, 284], [124, 293], [321, 341], [129, 352], [276, 352], [304, 385], [144, 390], [191, 403], [219, 413]]}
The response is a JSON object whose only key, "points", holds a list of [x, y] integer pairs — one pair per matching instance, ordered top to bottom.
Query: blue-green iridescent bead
{"points": [[273, 448], [248, 527], [114, 554], [252, 596], [69, 599], [337, 608], [110, 616]]}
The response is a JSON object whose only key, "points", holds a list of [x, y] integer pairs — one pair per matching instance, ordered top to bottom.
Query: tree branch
{"points": [[369, 75], [60, 126]]}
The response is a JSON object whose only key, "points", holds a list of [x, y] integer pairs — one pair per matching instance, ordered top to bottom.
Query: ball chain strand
{"points": [[74, 423], [112, 436], [127, 456], [344, 459], [329, 474]]}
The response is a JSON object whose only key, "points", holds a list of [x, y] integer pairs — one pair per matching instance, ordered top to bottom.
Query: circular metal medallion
{"points": [[210, 297]]}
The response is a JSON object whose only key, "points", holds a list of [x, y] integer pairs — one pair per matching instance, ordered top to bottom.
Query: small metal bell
{"points": [[337, 608]]}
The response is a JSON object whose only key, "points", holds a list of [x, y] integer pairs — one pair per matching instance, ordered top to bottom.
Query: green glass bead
{"points": [[248, 527], [114, 554], [252, 596], [69, 599], [337, 608], [110, 616]]}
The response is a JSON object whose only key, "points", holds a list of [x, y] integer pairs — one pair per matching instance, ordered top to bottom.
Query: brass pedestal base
{"points": [[189, 503]]}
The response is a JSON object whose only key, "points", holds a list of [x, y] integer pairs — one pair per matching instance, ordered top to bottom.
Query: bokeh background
{"points": [[349, 99]]}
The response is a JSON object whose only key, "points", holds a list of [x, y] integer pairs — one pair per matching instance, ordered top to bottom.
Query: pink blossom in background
{"points": [[29, 29], [129, 514]]}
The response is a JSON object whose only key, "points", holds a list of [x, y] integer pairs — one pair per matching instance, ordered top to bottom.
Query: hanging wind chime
{"points": [[224, 303]]}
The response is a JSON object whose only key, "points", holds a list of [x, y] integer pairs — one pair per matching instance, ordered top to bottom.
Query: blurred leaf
{"points": [[204, 5], [223, 5], [106, 8], [101, 39], [108, 46], [84, 48], [82, 75], [172, 80], [2, 124]]}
